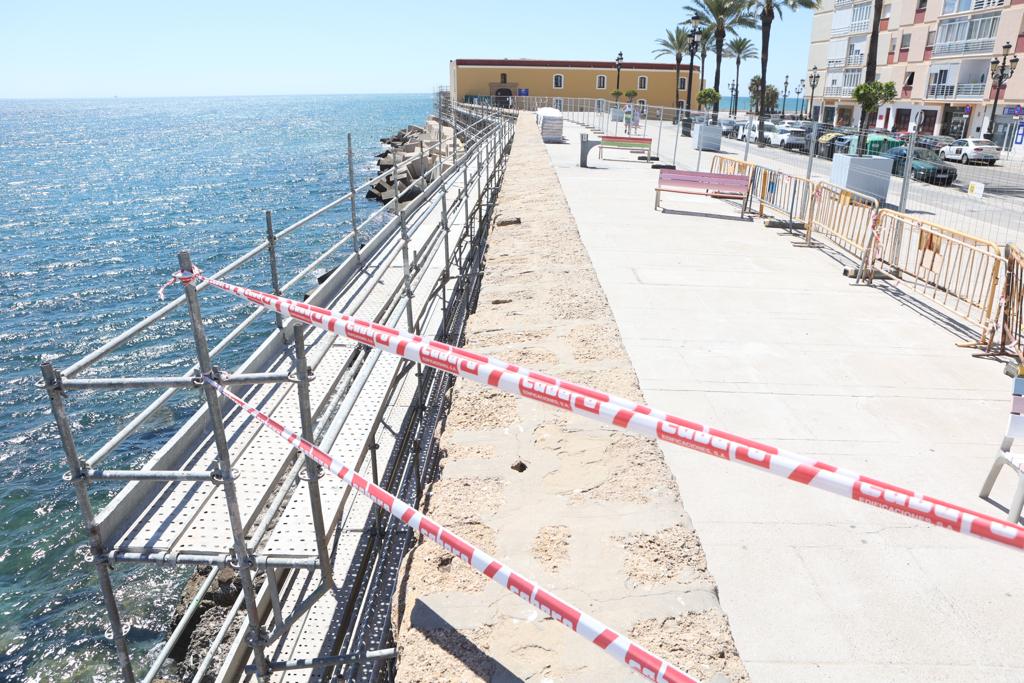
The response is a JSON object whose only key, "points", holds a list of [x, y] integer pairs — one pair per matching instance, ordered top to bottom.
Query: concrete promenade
{"points": [[728, 322]]}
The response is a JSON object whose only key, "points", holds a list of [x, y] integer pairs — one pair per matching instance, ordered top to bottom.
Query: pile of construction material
{"points": [[550, 121], [411, 161]]}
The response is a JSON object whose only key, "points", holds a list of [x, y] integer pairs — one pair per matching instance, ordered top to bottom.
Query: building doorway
{"points": [[503, 97], [954, 122], [901, 123], [927, 126]]}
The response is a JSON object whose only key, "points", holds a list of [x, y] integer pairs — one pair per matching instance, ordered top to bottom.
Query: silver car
{"points": [[971, 150]]}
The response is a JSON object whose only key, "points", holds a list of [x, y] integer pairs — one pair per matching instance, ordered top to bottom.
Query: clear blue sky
{"points": [[222, 47]]}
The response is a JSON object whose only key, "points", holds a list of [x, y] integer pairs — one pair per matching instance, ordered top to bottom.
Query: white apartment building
{"points": [[937, 52]]}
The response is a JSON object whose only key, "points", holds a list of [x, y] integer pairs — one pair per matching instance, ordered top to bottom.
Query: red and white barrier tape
{"points": [[642, 419], [618, 646]]}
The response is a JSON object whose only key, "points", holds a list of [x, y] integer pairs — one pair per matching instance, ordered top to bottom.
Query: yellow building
{"points": [[502, 78]]}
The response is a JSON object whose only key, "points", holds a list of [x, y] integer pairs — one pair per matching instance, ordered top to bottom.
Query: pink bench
{"points": [[721, 185]]}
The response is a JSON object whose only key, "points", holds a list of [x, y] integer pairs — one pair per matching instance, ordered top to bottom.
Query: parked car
{"points": [[729, 127], [751, 130], [788, 137], [935, 142], [969, 150], [926, 165]]}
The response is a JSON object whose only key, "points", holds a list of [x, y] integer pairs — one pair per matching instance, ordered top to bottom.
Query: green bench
{"points": [[632, 144]]}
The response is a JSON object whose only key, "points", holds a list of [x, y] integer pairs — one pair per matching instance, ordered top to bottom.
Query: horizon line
{"points": [[158, 97]]}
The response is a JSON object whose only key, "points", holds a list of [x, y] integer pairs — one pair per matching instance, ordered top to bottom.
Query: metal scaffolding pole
{"points": [[356, 246], [272, 257], [52, 379], [313, 469], [241, 552]]}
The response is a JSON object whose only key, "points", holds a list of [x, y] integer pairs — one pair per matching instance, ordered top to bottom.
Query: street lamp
{"points": [[695, 25], [618, 70], [1000, 74], [812, 80], [799, 90], [785, 93], [732, 102]]}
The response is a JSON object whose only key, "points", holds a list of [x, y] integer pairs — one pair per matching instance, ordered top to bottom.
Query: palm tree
{"points": [[766, 11], [722, 16], [707, 34], [674, 44], [740, 49], [869, 72]]}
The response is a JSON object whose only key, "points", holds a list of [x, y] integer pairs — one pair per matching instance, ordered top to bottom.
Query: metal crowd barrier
{"points": [[787, 196], [844, 217], [952, 269], [1012, 323]]}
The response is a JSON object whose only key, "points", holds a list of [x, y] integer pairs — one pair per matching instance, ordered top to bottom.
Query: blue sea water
{"points": [[96, 199]]}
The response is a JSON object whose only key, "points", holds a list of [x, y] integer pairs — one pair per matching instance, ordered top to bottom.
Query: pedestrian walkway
{"points": [[729, 322]]}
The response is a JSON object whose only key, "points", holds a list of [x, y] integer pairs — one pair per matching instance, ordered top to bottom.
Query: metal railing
{"points": [[860, 26], [963, 47], [970, 89], [941, 91], [481, 136], [786, 196], [844, 217], [954, 270], [1011, 324]]}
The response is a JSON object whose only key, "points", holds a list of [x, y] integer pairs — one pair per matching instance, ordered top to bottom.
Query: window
{"points": [[922, 5], [951, 6], [886, 11], [861, 15], [968, 28], [931, 39], [905, 42], [892, 44], [504, 78], [908, 79], [558, 82], [602, 82], [682, 82], [641, 83], [559, 103], [642, 104]]}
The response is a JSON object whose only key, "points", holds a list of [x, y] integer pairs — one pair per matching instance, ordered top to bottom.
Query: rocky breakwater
{"points": [[411, 161]]}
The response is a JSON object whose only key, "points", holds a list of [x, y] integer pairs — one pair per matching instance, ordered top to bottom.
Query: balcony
{"points": [[843, 3], [861, 26], [840, 30], [963, 47], [855, 59], [836, 63], [839, 90], [970, 90], [960, 91], [941, 92]]}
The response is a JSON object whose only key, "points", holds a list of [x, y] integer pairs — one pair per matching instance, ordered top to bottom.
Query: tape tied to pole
{"points": [[184, 277], [642, 419]]}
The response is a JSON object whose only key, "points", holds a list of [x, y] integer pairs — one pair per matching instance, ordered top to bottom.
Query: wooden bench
{"points": [[620, 142], [720, 185], [1014, 430]]}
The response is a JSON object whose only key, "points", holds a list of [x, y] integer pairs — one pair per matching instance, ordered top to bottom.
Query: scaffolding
{"points": [[317, 566]]}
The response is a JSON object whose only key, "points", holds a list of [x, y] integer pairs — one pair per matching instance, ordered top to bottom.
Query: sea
{"points": [[96, 199]]}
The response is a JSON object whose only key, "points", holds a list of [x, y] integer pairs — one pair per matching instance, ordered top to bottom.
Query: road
{"points": [[997, 216]]}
